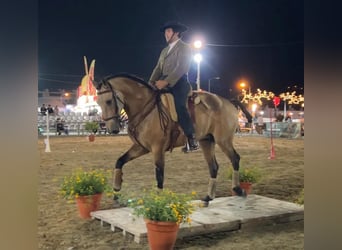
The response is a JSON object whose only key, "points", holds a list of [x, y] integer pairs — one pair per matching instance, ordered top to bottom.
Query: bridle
{"points": [[115, 98], [137, 118]]}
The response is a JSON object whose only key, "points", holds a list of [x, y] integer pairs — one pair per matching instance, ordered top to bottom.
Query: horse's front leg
{"points": [[134, 152], [159, 162]]}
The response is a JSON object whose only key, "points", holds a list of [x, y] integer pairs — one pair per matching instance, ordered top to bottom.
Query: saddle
{"points": [[169, 104]]}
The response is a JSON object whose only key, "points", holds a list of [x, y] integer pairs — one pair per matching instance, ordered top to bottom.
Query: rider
{"points": [[172, 71]]}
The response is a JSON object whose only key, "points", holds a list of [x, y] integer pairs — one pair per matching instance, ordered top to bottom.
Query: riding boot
{"points": [[192, 144]]}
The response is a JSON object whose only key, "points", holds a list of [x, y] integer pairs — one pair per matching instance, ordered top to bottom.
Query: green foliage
{"points": [[91, 127], [251, 175], [81, 183], [163, 205]]}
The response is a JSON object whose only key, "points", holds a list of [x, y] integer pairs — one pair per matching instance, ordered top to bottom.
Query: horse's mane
{"points": [[129, 76]]}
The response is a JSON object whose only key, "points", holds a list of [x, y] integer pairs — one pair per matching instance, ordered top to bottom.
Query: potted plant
{"points": [[91, 127], [247, 177], [86, 187], [163, 212]]}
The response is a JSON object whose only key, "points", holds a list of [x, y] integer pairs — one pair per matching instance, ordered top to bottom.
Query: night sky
{"points": [[259, 41]]}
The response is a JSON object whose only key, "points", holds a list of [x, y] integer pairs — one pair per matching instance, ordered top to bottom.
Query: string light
{"points": [[261, 95], [257, 97], [292, 98]]}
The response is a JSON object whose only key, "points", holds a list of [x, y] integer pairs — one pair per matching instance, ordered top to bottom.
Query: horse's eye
{"points": [[109, 102]]}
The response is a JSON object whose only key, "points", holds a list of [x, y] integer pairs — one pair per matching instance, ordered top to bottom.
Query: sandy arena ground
{"points": [[59, 226]]}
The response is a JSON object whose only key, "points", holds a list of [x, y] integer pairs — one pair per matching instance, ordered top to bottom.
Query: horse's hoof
{"points": [[239, 192], [244, 193], [205, 201], [116, 204]]}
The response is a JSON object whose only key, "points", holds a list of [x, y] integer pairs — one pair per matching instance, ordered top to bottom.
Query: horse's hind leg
{"points": [[208, 149], [228, 149], [134, 152], [159, 162]]}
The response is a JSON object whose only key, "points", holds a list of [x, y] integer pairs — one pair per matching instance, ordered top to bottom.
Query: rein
{"points": [[163, 117], [136, 119]]}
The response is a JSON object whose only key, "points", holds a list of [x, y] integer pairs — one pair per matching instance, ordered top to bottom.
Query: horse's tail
{"points": [[237, 104]]}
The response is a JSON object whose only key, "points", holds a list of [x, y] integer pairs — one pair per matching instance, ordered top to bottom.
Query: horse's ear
{"points": [[97, 85]]}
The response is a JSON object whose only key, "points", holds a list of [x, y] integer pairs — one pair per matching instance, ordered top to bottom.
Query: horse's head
{"points": [[110, 104]]}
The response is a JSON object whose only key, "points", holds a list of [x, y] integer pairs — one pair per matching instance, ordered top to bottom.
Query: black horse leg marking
{"points": [[208, 148], [134, 152], [236, 160], [121, 161], [159, 162], [236, 165], [214, 168], [160, 177]]}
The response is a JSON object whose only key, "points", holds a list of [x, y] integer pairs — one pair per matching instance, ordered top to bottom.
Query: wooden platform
{"points": [[223, 214]]}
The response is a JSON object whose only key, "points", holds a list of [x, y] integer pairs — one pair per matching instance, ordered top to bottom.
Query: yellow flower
{"points": [[82, 182], [163, 205]]}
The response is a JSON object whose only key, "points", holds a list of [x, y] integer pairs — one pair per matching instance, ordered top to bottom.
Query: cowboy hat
{"points": [[176, 26]]}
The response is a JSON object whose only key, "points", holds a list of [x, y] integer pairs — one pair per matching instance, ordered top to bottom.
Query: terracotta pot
{"points": [[91, 137], [247, 186], [87, 204], [161, 235]]}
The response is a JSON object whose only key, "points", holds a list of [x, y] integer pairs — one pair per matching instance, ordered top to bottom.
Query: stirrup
{"points": [[188, 149]]}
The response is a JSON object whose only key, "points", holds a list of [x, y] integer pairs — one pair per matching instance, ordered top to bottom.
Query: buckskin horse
{"points": [[152, 130]]}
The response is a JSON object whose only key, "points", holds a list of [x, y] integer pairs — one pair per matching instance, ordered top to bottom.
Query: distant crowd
{"points": [[52, 111]]}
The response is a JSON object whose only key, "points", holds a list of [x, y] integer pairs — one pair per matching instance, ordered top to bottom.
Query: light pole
{"points": [[198, 44], [198, 59], [217, 78], [243, 85]]}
